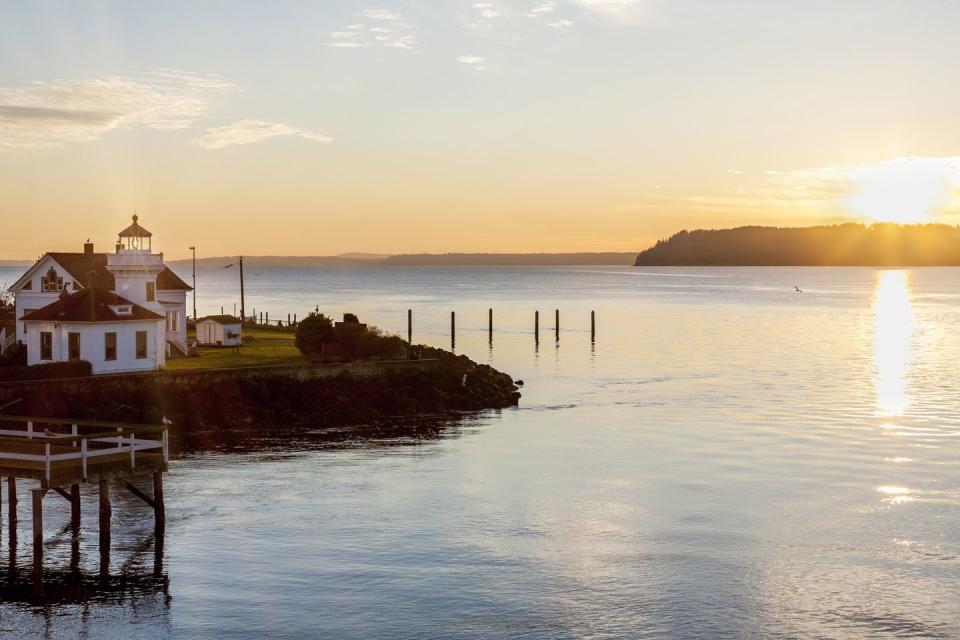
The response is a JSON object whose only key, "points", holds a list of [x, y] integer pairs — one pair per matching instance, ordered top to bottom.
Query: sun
{"points": [[905, 191]]}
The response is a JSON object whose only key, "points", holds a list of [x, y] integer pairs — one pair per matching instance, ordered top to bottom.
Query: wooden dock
{"points": [[61, 455]]}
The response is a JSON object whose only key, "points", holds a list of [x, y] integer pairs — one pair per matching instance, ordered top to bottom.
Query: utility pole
{"points": [[194, 249], [242, 307]]}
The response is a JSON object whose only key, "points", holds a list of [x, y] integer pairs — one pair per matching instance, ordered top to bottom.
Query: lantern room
{"points": [[134, 238]]}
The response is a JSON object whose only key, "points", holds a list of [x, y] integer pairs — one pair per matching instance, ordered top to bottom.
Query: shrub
{"points": [[312, 332], [15, 356], [72, 369]]}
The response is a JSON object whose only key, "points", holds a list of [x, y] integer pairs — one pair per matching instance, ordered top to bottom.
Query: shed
{"points": [[221, 331]]}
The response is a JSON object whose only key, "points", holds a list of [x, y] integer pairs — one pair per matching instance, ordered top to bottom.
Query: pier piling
{"points": [[490, 324], [556, 325], [410, 326], [536, 326], [593, 326], [453, 330], [12, 506], [75, 509], [159, 511], [105, 513]]}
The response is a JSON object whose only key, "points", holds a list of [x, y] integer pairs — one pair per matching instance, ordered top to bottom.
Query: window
{"points": [[51, 281], [151, 291], [173, 321], [46, 345], [73, 345], [110, 345], [141, 345]]}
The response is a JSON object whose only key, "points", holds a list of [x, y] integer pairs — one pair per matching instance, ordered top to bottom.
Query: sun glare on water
{"points": [[905, 191], [893, 334]]}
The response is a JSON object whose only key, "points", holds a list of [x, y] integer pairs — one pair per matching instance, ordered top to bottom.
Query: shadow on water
{"points": [[379, 434], [87, 578]]}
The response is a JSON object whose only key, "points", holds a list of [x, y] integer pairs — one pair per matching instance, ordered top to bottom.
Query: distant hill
{"points": [[884, 245], [509, 259], [282, 261]]}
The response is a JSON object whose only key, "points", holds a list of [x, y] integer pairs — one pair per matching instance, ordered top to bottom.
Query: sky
{"points": [[315, 128]]}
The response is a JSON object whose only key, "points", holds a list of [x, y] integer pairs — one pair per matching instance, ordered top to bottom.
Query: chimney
{"points": [[88, 248], [92, 286]]}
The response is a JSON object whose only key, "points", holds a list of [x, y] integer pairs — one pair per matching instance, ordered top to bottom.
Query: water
{"points": [[731, 459]]}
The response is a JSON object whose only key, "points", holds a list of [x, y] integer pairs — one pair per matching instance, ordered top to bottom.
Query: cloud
{"points": [[542, 8], [612, 8], [380, 14], [560, 23], [388, 30], [474, 61], [51, 114], [250, 131]]}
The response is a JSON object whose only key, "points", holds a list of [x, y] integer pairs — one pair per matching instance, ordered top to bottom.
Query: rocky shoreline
{"points": [[272, 399]]}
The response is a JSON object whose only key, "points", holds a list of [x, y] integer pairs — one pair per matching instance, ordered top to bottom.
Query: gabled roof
{"points": [[135, 230], [79, 265], [89, 305], [222, 319]]}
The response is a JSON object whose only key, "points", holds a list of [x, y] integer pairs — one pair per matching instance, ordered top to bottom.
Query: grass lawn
{"points": [[270, 346]]}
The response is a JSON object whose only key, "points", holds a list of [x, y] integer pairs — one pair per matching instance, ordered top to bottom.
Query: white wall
{"points": [[35, 298], [212, 333], [92, 344]]}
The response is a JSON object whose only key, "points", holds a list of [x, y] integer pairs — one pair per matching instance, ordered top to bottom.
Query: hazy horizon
{"points": [[502, 126]]}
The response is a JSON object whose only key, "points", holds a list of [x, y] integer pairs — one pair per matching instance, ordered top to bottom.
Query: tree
{"points": [[6, 297], [312, 332]]}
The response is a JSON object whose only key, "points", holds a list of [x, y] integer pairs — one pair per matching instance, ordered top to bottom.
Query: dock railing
{"points": [[48, 444]]}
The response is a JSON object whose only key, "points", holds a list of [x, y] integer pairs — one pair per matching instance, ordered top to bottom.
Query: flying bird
{"points": [[797, 288]]}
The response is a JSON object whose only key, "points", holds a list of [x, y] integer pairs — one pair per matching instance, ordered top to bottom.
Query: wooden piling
{"points": [[490, 324], [556, 325], [410, 326], [536, 326], [593, 326], [453, 329], [37, 495], [12, 506], [75, 509], [159, 511], [105, 513]]}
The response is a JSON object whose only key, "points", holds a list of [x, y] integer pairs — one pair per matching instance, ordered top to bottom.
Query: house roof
{"points": [[135, 230], [80, 264], [89, 305], [221, 319]]}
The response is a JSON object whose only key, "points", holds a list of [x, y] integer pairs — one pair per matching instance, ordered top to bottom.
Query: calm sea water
{"points": [[731, 459]]}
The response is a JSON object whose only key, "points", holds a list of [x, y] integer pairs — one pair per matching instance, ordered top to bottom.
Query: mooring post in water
{"points": [[490, 324], [556, 325], [410, 326], [536, 326], [593, 326], [453, 329], [12, 506], [75, 509], [159, 510], [104, 515], [38, 540]]}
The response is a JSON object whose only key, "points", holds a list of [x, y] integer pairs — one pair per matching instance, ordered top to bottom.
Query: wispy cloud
{"points": [[614, 8], [380, 14], [560, 23], [387, 29], [474, 61], [50, 114], [250, 131]]}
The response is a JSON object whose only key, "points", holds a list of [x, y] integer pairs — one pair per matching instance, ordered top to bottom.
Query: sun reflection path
{"points": [[893, 332]]}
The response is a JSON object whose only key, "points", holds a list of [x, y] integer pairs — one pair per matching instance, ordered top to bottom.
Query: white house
{"points": [[122, 311], [224, 331]]}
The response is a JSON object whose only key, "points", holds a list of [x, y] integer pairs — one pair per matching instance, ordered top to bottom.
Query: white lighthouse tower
{"points": [[135, 267]]}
